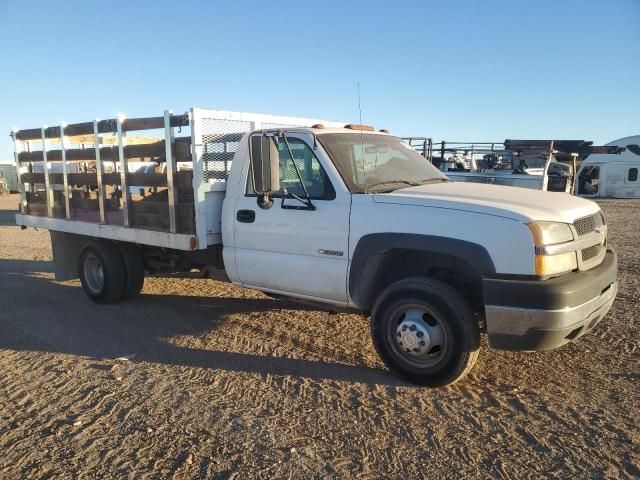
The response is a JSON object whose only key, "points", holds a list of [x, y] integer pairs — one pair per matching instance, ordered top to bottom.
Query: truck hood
{"points": [[522, 204]]}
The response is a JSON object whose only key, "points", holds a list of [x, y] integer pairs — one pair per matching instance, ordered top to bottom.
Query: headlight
{"points": [[549, 233], [552, 233]]}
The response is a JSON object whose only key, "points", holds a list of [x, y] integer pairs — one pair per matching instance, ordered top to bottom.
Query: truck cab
{"points": [[358, 219]]}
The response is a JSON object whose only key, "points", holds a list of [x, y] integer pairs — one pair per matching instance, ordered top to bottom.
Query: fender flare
{"points": [[371, 250]]}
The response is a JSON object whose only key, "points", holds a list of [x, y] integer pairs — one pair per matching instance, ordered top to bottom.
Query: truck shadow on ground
{"points": [[8, 217], [43, 315]]}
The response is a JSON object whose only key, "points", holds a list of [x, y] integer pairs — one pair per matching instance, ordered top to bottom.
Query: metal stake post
{"points": [[171, 168], [99, 172], [124, 174], [198, 177], [65, 180], [47, 182], [21, 188]]}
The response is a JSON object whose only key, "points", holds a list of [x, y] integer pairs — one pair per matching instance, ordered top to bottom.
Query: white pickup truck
{"points": [[338, 215]]}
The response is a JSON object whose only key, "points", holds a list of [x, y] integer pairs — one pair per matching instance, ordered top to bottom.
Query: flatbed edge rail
{"points": [[176, 241]]}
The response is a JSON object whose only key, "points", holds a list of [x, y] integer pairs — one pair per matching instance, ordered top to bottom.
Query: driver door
{"points": [[303, 253]]}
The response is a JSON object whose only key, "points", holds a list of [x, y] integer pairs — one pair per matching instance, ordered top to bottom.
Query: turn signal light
{"points": [[355, 126], [546, 265]]}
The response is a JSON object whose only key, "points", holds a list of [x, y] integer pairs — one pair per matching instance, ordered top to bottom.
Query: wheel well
{"points": [[396, 264]]}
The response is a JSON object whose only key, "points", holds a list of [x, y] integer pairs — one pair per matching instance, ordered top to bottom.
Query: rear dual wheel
{"points": [[134, 270], [109, 273], [425, 331]]}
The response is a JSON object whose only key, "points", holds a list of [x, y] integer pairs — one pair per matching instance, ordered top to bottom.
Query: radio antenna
{"points": [[359, 104]]}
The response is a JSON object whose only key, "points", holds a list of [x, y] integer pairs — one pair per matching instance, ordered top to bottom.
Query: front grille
{"points": [[588, 224], [590, 252]]}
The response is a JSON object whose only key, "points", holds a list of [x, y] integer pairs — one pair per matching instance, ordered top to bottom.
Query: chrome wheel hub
{"points": [[93, 274], [419, 335]]}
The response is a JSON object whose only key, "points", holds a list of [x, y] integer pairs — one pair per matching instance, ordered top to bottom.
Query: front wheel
{"points": [[425, 331]]}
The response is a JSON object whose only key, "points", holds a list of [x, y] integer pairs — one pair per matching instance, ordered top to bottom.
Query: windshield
{"points": [[377, 163]]}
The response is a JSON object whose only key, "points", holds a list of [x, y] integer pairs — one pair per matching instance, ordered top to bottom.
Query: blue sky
{"points": [[458, 70]]}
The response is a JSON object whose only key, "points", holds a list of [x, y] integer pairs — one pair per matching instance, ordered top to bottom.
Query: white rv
{"points": [[611, 175]]}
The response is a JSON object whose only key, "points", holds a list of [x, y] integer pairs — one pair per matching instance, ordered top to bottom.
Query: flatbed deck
{"points": [[141, 236]]}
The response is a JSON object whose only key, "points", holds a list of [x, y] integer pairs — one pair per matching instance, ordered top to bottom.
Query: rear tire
{"points": [[134, 270], [102, 272], [425, 332]]}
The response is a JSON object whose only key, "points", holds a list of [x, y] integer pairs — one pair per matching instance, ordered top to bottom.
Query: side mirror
{"points": [[265, 164]]}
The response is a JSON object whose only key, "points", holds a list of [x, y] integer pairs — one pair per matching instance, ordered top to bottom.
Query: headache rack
{"points": [[162, 188]]}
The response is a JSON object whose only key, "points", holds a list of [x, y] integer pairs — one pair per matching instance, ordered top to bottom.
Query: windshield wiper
{"points": [[393, 182]]}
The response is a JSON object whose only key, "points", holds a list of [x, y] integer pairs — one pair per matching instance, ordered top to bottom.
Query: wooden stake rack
{"points": [[95, 172]]}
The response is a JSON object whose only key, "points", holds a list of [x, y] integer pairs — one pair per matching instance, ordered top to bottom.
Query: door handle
{"points": [[246, 216]]}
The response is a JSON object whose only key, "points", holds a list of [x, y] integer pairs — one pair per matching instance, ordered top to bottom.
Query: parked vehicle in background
{"points": [[538, 164], [10, 175], [609, 175], [4, 188], [338, 215]]}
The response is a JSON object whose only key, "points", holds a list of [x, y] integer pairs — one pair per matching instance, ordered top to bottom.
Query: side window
{"points": [[633, 148], [313, 175], [632, 176], [589, 180]]}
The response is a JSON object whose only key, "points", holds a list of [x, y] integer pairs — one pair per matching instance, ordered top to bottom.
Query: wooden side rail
{"points": [[104, 126], [182, 152], [182, 179]]}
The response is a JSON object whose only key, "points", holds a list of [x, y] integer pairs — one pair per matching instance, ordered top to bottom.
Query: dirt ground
{"points": [[221, 382]]}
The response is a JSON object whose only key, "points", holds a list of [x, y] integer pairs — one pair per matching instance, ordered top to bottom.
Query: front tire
{"points": [[102, 272], [425, 332]]}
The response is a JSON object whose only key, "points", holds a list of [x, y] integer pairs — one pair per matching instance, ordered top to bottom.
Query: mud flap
{"points": [[66, 248]]}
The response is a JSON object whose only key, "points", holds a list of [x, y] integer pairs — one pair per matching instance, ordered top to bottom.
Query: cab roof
{"points": [[324, 130]]}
